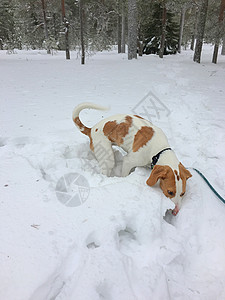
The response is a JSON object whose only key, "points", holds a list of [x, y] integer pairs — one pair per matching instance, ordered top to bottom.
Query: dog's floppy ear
{"points": [[157, 173], [184, 173]]}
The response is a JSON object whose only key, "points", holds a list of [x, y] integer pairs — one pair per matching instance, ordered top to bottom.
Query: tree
{"points": [[144, 17], [182, 18], [45, 25], [119, 28], [123, 28], [194, 28], [132, 29], [66, 30], [200, 30], [152, 31], [219, 31], [82, 32], [163, 35], [9, 36], [223, 47]]}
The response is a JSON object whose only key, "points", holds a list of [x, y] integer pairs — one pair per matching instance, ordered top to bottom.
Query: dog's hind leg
{"points": [[104, 154]]}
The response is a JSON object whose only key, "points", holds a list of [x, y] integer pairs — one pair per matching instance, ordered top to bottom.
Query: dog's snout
{"points": [[175, 210]]}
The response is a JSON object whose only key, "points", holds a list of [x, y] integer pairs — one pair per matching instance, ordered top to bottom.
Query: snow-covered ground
{"points": [[119, 244]]}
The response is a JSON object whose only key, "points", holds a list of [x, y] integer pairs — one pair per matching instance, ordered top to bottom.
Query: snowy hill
{"points": [[119, 242]]}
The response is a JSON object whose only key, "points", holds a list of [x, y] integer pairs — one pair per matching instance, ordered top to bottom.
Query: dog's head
{"points": [[172, 182]]}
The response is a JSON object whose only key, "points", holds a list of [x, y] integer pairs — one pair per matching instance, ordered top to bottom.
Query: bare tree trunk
{"points": [[182, 18], [45, 25], [66, 25], [123, 28], [132, 29], [200, 30], [194, 31], [219, 31], [82, 32], [119, 32], [163, 36], [140, 42], [192, 42], [140, 47], [223, 47], [215, 52]]}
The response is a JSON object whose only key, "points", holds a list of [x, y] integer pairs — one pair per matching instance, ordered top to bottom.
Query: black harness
{"points": [[155, 158]]}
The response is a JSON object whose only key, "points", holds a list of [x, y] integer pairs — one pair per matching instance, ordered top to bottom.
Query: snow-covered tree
{"points": [[162, 21]]}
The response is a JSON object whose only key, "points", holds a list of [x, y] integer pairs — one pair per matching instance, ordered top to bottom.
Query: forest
{"points": [[155, 26]]}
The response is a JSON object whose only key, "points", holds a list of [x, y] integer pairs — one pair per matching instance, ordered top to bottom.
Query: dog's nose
{"points": [[175, 211]]}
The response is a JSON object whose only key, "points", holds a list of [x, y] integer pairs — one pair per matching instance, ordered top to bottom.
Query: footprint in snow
{"points": [[22, 141], [3, 142], [126, 237], [92, 242]]}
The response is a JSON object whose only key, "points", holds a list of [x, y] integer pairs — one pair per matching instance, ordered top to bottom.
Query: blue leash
{"points": [[210, 186]]}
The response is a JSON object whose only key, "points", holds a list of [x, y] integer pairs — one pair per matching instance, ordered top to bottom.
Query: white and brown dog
{"points": [[144, 143]]}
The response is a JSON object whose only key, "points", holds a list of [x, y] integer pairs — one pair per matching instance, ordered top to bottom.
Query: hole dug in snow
{"points": [[21, 142], [69, 153], [169, 218]]}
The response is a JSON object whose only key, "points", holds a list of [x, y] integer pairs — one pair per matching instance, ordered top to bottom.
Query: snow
{"points": [[121, 243]]}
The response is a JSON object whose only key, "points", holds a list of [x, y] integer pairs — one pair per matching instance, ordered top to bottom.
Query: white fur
{"points": [[85, 105]]}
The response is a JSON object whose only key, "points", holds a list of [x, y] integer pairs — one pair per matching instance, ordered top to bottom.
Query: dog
{"points": [[144, 143]]}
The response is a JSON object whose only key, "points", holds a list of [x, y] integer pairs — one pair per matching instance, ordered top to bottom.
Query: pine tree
{"points": [[8, 26], [152, 32]]}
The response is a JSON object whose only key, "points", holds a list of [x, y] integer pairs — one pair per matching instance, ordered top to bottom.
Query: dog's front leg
{"points": [[128, 164]]}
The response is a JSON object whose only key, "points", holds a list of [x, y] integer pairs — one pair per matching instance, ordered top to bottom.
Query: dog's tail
{"points": [[76, 119]]}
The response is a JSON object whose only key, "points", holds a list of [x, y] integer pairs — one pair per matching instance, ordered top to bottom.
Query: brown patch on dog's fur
{"points": [[139, 117], [96, 129], [109, 129], [85, 130], [116, 132], [142, 137], [91, 144], [176, 173], [184, 175], [167, 180]]}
